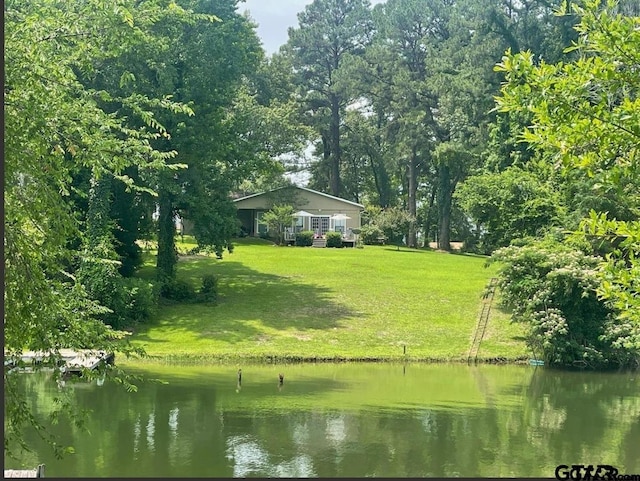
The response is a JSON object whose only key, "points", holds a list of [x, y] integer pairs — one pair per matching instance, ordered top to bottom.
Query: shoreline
{"points": [[188, 359]]}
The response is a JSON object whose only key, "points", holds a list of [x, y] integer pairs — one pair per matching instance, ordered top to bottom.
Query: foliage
{"points": [[330, 35], [400, 97], [586, 118], [55, 125], [235, 133], [509, 205], [127, 212], [278, 219], [394, 223], [371, 234], [304, 238], [334, 239], [620, 277], [552, 286], [178, 290], [209, 290], [140, 300], [128, 301]]}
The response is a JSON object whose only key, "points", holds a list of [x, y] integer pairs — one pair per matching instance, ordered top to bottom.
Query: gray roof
{"points": [[302, 188]]}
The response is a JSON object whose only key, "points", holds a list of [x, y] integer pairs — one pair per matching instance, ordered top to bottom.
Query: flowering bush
{"points": [[552, 287]]}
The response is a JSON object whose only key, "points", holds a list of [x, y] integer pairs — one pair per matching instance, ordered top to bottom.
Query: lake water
{"points": [[346, 420]]}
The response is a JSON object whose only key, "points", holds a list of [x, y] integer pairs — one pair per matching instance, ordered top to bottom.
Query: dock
{"points": [[87, 360], [72, 361], [25, 473]]}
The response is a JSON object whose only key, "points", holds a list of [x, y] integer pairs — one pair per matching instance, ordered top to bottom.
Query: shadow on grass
{"points": [[407, 249], [250, 304]]}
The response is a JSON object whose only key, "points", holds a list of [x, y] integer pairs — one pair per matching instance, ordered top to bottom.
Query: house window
{"points": [[299, 224], [320, 224], [340, 225], [261, 226]]}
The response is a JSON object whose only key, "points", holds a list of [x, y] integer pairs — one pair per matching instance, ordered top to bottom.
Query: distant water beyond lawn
{"points": [[314, 303]]}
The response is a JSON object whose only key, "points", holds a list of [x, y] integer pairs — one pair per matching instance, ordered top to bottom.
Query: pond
{"points": [[345, 420]]}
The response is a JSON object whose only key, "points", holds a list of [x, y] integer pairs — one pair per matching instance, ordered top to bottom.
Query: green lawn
{"points": [[292, 303]]}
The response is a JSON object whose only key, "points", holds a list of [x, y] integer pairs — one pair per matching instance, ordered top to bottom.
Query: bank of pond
{"points": [[342, 420]]}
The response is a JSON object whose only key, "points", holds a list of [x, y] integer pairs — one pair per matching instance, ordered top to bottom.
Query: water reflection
{"points": [[349, 421], [250, 459]]}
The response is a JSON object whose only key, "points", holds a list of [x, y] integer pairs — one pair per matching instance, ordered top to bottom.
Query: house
{"points": [[317, 211]]}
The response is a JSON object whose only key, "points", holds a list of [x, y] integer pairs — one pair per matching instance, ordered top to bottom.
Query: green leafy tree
{"points": [[330, 34], [198, 55], [426, 82], [586, 117], [54, 125], [239, 130], [510, 205], [278, 218], [395, 223]]}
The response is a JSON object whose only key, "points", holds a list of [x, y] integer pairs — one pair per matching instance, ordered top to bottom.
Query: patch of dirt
{"points": [[456, 246], [302, 337]]}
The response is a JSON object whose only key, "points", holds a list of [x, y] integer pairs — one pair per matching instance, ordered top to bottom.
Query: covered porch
{"points": [[252, 223], [320, 225]]}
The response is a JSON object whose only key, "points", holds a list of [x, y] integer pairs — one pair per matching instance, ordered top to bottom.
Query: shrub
{"points": [[395, 223], [371, 233], [304, 238], [334, 239], [551, 286], [177, 290], [209, 290], [128, 300], [140, 300]]}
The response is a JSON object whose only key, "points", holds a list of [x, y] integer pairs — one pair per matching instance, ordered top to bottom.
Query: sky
{"points": [[274, 17]]}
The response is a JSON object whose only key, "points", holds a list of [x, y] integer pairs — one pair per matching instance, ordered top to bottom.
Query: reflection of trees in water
{"points": [[580, 415], [521, 429]]}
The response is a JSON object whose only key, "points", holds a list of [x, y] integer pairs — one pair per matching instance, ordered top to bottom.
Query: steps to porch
{"points": [[320, 242]]}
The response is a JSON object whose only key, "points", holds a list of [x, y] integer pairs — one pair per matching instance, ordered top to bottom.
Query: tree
{"points": [[406, 31], [330, 34], [431, 64], [586, 117], [54, 125], [241, 128], [213, 144], [510, 205], [278, 218], [395, 223]]}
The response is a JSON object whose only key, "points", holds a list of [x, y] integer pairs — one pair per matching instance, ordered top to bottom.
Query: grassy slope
{"points": [[289, 302]]}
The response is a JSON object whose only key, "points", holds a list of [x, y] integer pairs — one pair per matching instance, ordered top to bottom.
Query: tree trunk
{"points": [[334, 172], [413, 187], [444, 208], [427, 222], [167, 255]]}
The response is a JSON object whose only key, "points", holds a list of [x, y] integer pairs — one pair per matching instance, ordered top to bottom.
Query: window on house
{"points": [[340, 225], [261, 226]]}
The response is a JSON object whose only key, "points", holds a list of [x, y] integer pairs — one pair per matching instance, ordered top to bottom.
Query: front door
{"points": [[320, 224]]}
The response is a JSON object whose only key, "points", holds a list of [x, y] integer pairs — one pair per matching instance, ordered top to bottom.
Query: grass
{"points": [[295, 303]]}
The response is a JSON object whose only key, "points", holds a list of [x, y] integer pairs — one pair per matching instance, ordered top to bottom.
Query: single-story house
{"points": [[317, 211]]}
